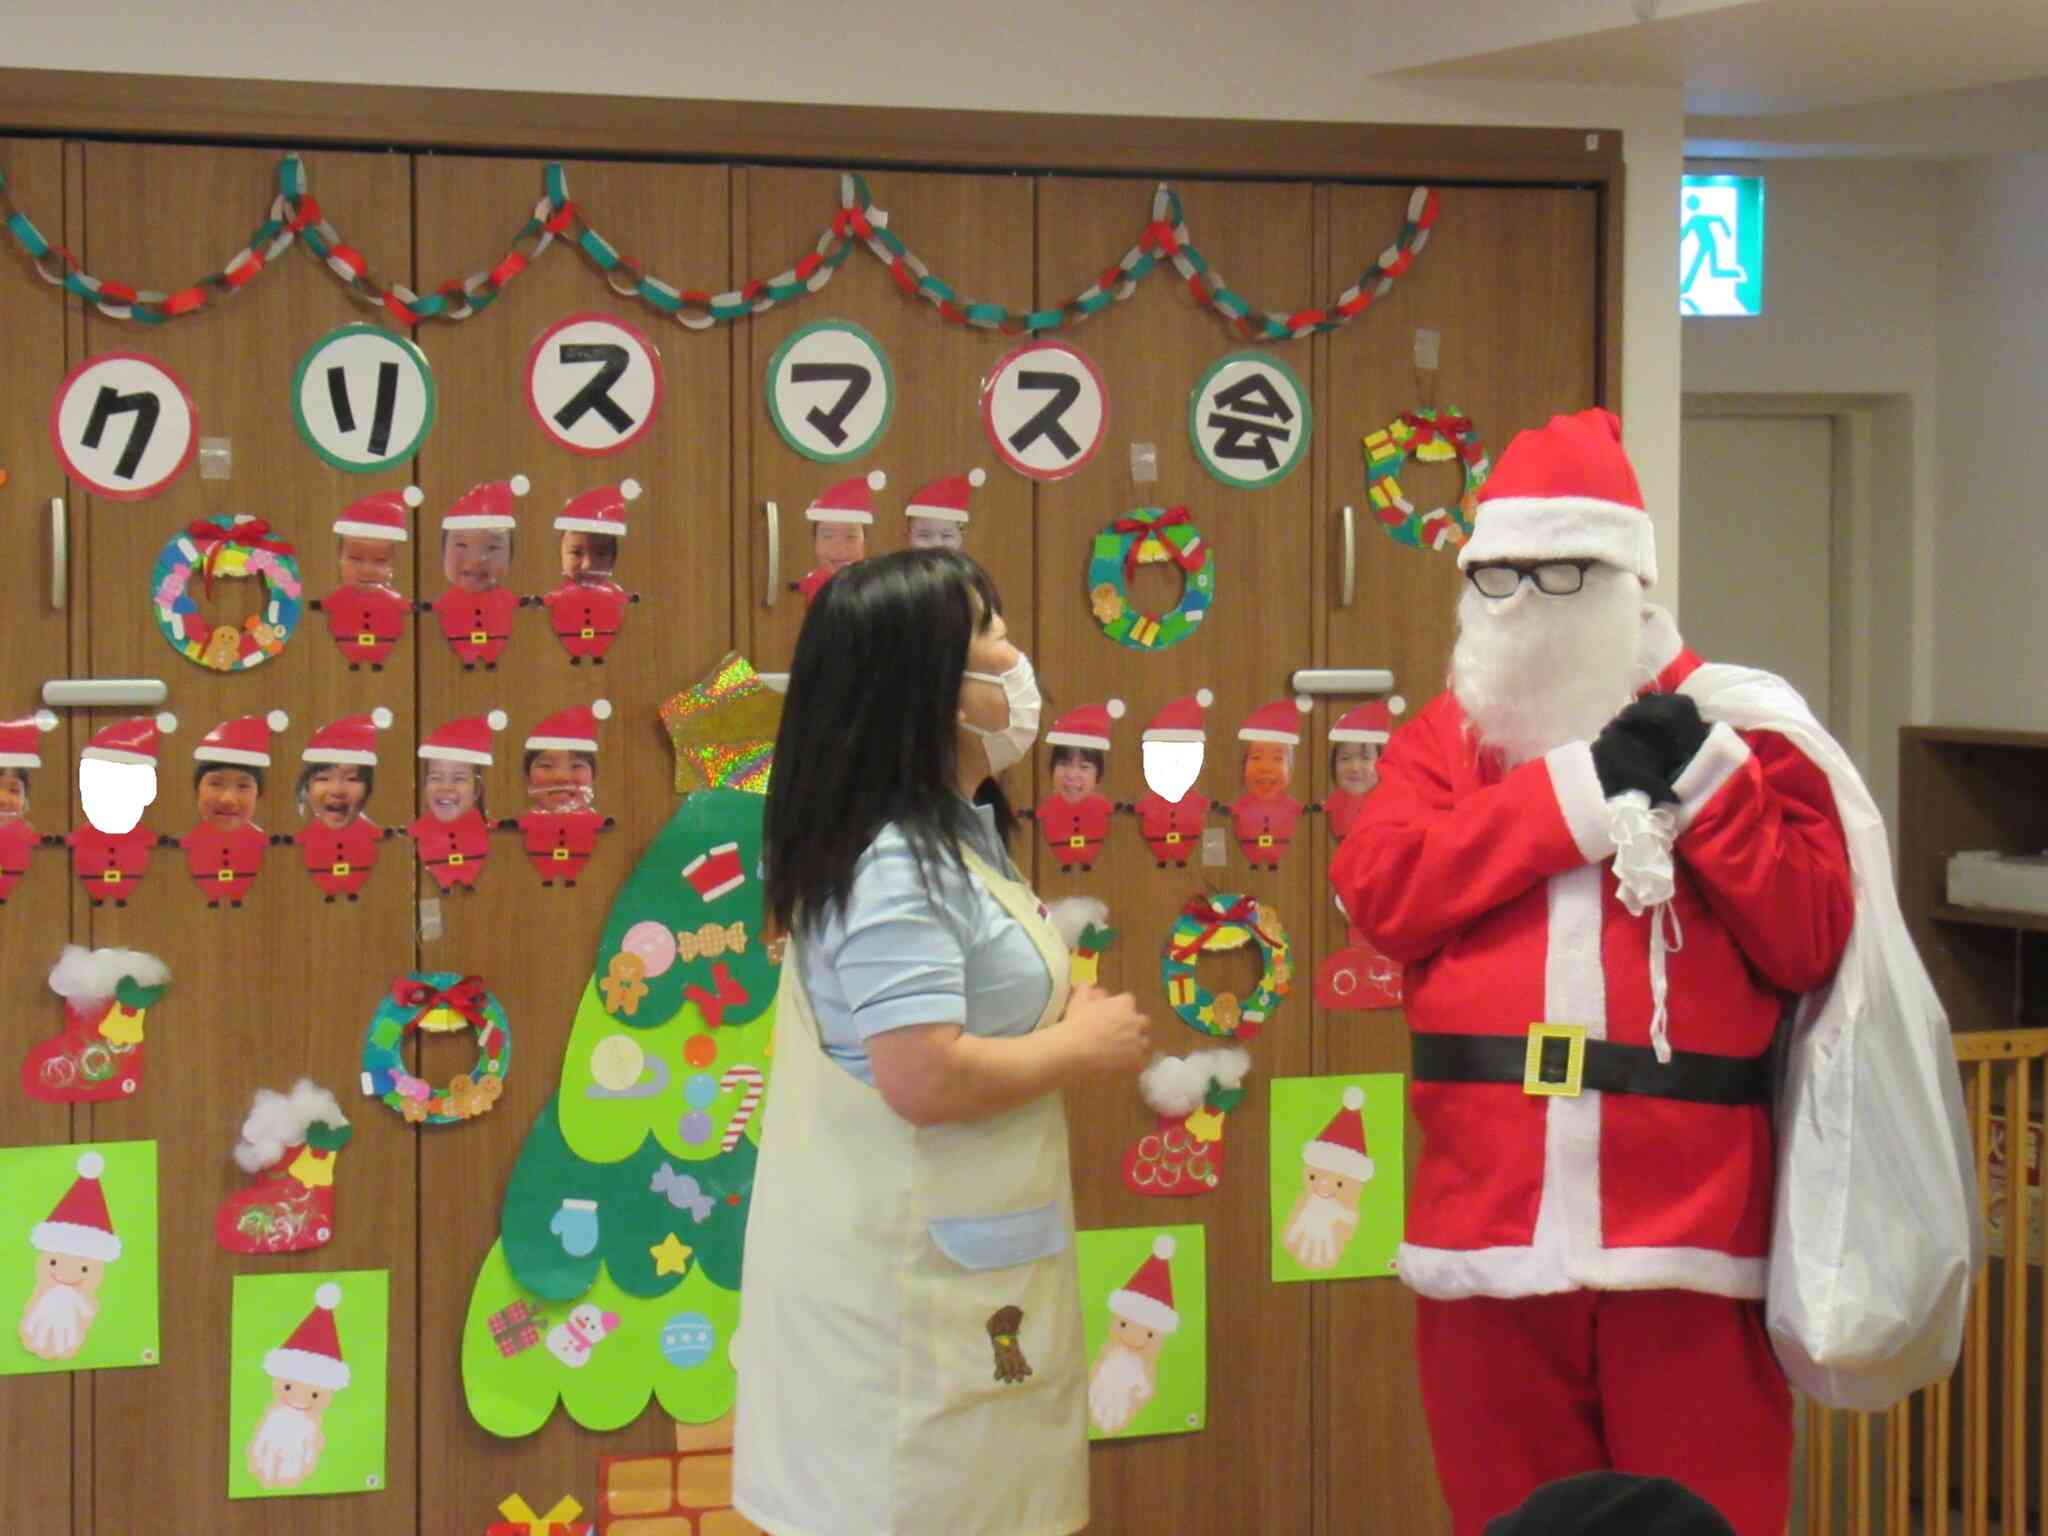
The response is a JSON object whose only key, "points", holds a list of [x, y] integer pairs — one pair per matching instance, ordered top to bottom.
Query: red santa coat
{"points": [[586, 615], [366, 622], [477, 624], [1341, 807], [1265, 826], [1173, 828], [1074, 831], [18, 843], [560, 843], [453, 851], [340, 859], [224, 862], [110, 864], [1495, 889]]}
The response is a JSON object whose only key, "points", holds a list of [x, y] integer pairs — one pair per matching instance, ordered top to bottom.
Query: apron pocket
{"points": [[998, 1242]]}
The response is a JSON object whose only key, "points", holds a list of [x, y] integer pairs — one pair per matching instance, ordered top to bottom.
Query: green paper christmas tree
{"points": [[616, 1274]]}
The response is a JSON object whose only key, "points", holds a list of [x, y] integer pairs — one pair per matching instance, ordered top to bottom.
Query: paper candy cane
{"points": [[749, 1102]]}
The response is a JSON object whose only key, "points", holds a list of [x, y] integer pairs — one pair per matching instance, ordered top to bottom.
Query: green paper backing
{"points": [[1301, 1107], [32, 1180], [1109, 1258], [267, 1309]]}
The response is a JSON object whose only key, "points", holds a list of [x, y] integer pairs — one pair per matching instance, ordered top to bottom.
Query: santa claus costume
{"points": [[847, 504], [586, 611], [367, 622], [479, 624], [1265, 823], [1074, 829], [1172, 829], [18, 839], [560, 842], [454, 850], [340, 858], [225, 860], [110, 863], [1591, 1212]]}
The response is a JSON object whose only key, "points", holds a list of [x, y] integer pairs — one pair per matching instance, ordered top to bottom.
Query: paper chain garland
{"points": [[296, 215], [1431, 437], [1148, 536], [232, 545], [1224, 921], [436, 1002]]}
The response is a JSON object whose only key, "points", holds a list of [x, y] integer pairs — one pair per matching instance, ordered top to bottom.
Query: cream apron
{"points": [[883, 1386]]}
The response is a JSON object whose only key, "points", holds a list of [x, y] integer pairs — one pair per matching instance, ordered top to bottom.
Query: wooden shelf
{"points": [[1989, 917]]}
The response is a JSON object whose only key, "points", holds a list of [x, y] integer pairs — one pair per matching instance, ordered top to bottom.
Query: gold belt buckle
{"points": [[587, 633], [478, 637], [366, 638], [1172, 838], [1265, 839], [1077, 841], [560, 855], [454, 858], [339, 869], [224, 875], [110, 877], [1543, 1084]]}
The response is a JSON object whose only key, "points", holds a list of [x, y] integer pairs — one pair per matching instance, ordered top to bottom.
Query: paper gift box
{"points": [[516, 1329]]}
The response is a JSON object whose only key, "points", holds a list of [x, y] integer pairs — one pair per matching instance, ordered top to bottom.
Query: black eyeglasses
{"points": [[1554, 578]]}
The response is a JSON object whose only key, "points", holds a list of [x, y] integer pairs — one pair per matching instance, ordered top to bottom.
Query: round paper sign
{"points": [[593, 382], [831, 391], [363, 398], [1045, 410], [1249, 419], [124, 426]]}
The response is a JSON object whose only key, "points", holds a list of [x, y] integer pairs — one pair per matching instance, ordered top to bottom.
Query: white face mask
{"points": [[1020, 689]]}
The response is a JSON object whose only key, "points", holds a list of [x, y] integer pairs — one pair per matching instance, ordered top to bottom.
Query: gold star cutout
{"points": [[671, 1256]]}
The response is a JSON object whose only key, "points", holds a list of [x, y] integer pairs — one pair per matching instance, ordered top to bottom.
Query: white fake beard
{"points": [[1533, 672], [1320, 1215], [56, 1323], [1117, 1388], [286, 1443]]}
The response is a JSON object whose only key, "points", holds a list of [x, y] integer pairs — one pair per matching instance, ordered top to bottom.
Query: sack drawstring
{"points": [[1647, 878]]}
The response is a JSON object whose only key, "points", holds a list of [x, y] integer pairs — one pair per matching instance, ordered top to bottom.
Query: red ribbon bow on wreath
{"points": [[1452, 429], [250, 533], [1190, 560], [1244, 913], [466, 997]]}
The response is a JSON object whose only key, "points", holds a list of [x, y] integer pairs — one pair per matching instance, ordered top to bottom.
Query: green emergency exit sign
{"points": [[1721, 245]]}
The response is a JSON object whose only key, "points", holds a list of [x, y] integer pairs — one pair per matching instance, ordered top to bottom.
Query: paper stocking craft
{"points": [[841, 517], [476, 555], [588, 606], [366, 613], [18, 758], [116, 781], [1172, 813], [1265, 814], [1074, 818], [561, 824], [451, 835], [338, 844], [224, 851], [1083, 922], [1357, 978], [98, 1057], [1191, 1095], [290, 1144]]}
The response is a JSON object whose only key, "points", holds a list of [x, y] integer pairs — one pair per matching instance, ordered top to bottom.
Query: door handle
{"points": [[774, 520], [60, 554], [1350, 556], [1326, 680], [104, 692]]}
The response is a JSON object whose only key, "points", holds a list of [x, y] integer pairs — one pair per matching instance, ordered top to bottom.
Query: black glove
{"points": [[1670, 725], [1625, 762]]}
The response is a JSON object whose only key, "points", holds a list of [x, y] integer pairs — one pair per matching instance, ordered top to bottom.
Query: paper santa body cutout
{"points": [[938, 515], [840, 519], [588, 605], [476, 610], [366, 613], [1356, 741], [20, 756], [116, 780], [1171, 814], [1264, 815], [1074, 818], [560, 824], [451, 835], [338, 843], [224, 851], [1334, 1169], [73, 1249], [305, 1372], [1126, 1373]]}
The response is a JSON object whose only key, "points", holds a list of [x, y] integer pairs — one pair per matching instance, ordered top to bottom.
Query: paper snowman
{"points": [[572, 1339]]}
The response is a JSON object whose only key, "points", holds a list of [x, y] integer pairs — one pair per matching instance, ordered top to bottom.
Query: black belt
{"points": [[1554, 1060]]}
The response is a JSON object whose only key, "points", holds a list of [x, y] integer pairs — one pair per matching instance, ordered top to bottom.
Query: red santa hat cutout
{"points": [[1565, 491], [946, 499], [847, 501], [489, 505], [600, 511], [380, 516], [1182, 720], [1279, 721], [1371, 722], [1087, 726], [570, 730], [351, 739], [467, 740], [133, 741], [243, 742], [18, 745], [1341, 1147], [79, 1227], [1148, 1299], [313, 1352]]}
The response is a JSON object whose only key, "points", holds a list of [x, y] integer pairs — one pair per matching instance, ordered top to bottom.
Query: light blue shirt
{"points": [[906, 952]]}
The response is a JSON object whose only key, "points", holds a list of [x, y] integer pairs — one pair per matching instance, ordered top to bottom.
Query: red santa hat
{"points": [[1565, 491], [946, 499], [847, 501], [488, 505], [600, 511], [381, 516], [1181, 720], [1279, 721], [1372, 721], [1087, 726], [570, 730], [18, 739], [351, 739], [133, 740], [467, 740], [243, 741], [1341, 1147], [79, 1227], [1148, 1299], [313, 1352]]}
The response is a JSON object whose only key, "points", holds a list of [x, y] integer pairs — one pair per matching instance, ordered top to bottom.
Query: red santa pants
{"points": [[1662, 1383]]}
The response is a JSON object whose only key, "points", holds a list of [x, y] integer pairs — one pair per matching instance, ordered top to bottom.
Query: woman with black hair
{"points": [[912, 1357]]}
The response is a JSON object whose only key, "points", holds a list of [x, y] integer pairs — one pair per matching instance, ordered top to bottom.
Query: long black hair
{"points": [[868, 726]]}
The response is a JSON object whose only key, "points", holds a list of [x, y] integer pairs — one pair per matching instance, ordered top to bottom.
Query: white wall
{"points": [[1991, 529]]}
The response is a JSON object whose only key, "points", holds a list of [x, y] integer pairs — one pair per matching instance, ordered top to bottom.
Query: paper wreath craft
{"points": [[1428, 436], [1148, 536], [230, 546], [588, 606], [475, 613], [366, 614], [723, 729], [20, 755], [1264, 816], [1074, 818], [559, 830], [452, 837], [339, 842], [224, 851], [110, 864], [1212, 923], [437, 1002], [97, 1057], [1191, 1095], [289, 1147]]}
